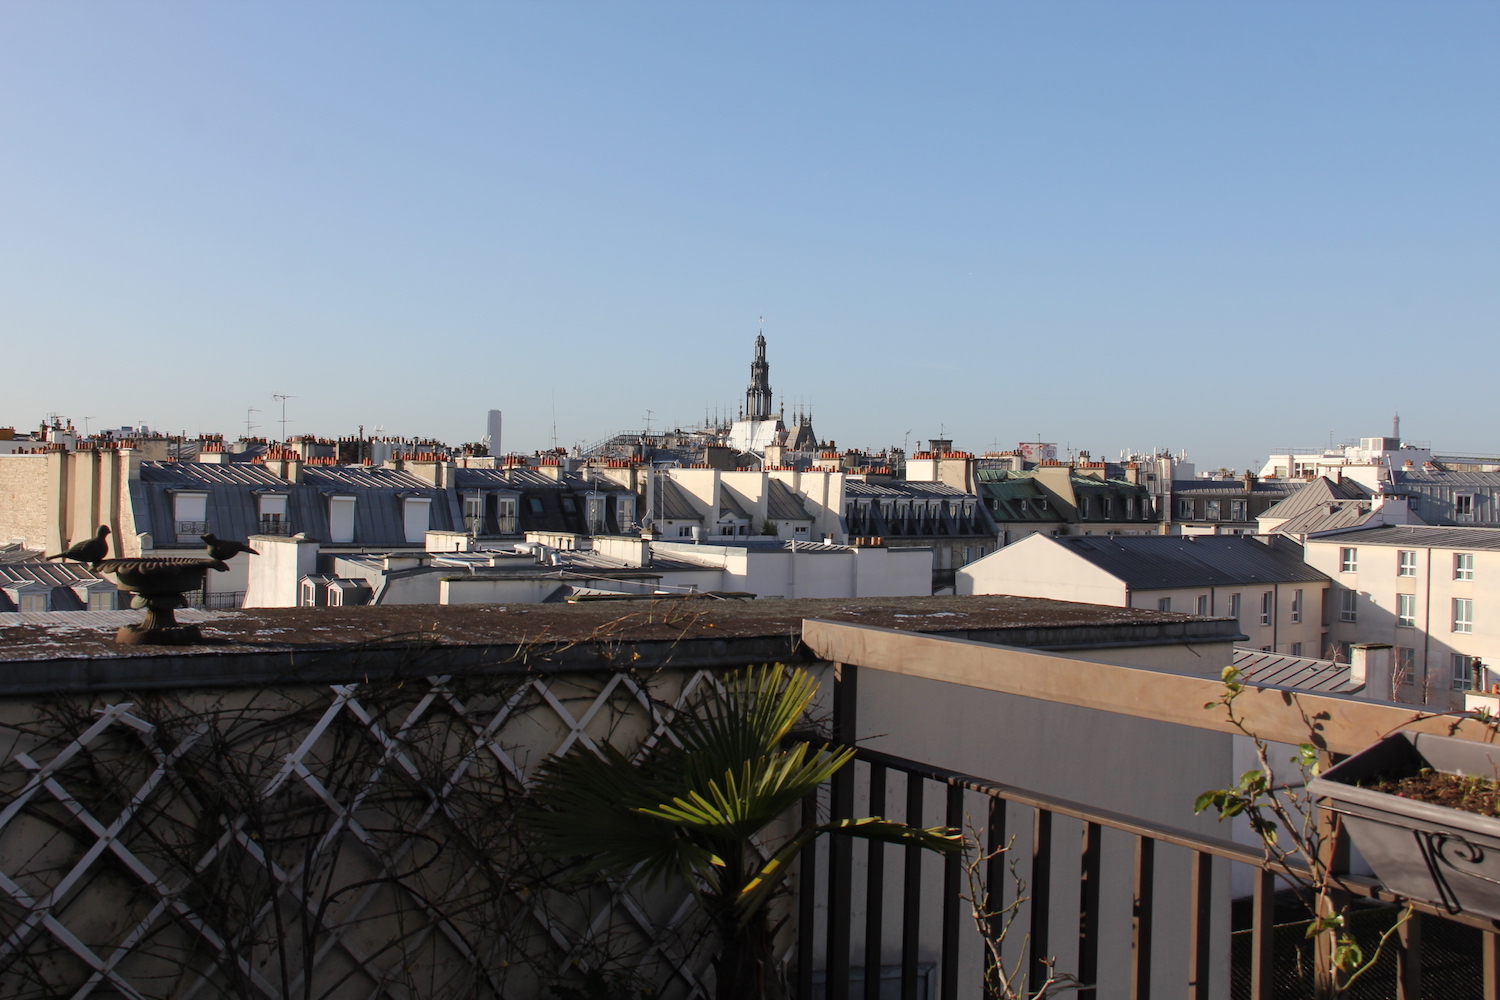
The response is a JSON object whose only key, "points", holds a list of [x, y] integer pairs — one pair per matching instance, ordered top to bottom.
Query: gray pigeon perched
{"points": [[223, 548], [90, 550]]}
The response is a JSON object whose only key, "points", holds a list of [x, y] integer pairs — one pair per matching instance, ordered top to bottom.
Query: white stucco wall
{"points": [[1038, 566]]}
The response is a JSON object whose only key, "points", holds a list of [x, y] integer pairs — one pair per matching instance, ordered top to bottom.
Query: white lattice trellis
{"points": [[53, 925]]}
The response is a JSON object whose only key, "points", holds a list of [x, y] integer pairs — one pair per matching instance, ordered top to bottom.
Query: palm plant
{"points": [[690, 809]]}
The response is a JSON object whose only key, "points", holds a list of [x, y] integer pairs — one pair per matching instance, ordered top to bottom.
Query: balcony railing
{"points": [[274, 526], [191, 531], [214, 600], [867, 903]]}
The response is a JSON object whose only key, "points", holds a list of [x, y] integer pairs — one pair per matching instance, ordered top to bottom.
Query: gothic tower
{"points": [[758, 396]]}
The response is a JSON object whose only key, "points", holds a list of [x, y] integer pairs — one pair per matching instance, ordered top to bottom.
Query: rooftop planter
{"points": [[1441, 855]]}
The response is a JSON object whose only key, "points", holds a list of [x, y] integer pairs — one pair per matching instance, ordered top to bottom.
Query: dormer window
{"points": [[624, 510], [190, 512], [416, 513], [271, 514], [340, 519]]}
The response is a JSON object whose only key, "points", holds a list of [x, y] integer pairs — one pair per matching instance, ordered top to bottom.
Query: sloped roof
{"points": [[1433, 477], [1230, 487], [899, 489], [1316, 493], [1004, 498], [671, 502], [732, 504], [782, 504], [1331, 516], [1420, 536], [1162, 562], [1305, 673]]}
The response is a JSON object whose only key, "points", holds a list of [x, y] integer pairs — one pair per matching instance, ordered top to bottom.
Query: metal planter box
{"points": [[1439, 855]]}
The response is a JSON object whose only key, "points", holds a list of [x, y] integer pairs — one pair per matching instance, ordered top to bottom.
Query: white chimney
{"points": [[1370, 666]]}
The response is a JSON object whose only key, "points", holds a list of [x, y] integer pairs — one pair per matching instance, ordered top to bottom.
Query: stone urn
{"points": [[157, 586]]}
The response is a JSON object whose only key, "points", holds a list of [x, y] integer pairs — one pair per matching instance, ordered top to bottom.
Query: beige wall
{"points": [[1037, 566], [1376, 586], [1283, 632]]}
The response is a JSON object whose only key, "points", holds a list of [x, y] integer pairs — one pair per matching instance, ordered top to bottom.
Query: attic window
{"points": [[536, 504], [569, 505]]}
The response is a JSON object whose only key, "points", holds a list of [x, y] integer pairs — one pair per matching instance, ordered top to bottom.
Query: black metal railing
{"points": [[274, 526], [190, 531], [214, 600], [991, 812]]}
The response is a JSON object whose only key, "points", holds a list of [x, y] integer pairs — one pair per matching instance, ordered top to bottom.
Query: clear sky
{"points": [[1224, 227]]}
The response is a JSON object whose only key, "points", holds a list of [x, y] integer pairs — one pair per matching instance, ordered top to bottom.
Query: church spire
{"points": [[758, 396]]}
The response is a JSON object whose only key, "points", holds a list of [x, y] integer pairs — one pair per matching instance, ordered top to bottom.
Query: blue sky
{"points": [[1224, 227]]}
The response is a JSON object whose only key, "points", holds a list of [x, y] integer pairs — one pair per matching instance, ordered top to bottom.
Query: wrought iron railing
{"points": [[274, 526], [190, 531], [214, 600], [992, 812]]}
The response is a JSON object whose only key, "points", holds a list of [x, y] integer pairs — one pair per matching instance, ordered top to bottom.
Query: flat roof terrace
{"points": [[327, 644]]}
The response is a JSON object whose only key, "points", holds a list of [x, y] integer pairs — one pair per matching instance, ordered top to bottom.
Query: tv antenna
{"points": [[283, 397], [648, 420], [86, 425], [250, 427]]}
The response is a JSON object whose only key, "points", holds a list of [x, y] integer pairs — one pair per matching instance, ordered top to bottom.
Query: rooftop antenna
{"points": [[283, 397], [87, 419], [554, 420], [648, 420], [249, 427]]}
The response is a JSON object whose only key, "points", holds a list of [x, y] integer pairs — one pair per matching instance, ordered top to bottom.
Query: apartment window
{"points": [[535, 503], [1083, 505], [1463, 507], [1129, 508], [1185, 509], [1211, 510], [1239, 510], [474, 511], [505, 515], [416, 518], [341, 519], [684, 531], [1348, 560], [1406, 563], [1463, 565], [102, 600], [1163, 604], [1202, 604], [1267, 604], [1234, 606], [1296, 606], [1406, 610], [1347, 612], [1463, 614], [1296, 649], [1406, 665], [1463, 672]]}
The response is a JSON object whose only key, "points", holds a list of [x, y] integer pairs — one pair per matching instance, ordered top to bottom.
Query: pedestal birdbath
{"points": [[157, 586]]}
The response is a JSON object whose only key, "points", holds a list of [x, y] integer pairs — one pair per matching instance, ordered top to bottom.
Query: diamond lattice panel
{"points": [[341, 842]]}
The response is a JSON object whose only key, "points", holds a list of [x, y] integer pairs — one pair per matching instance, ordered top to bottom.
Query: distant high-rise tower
{"points": [[758, 396], [492, 438]]}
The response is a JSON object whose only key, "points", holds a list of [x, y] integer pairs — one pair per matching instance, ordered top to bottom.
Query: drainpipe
{"points": [[1275, 617], [1426, 626]]}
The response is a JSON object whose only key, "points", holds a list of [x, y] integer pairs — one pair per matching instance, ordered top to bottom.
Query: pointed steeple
{"points": [[758, 396]]}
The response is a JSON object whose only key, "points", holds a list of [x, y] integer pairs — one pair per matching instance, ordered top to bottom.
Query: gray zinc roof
{"points": [[1433, 477], [1315, 494], [782, 504], [233, 507], [1332, 516], [1419, 536], [1165, 562], [1304, 673]]}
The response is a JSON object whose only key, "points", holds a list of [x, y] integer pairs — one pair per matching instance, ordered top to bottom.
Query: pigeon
{"points": [[223, 548], [90, 550]]}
